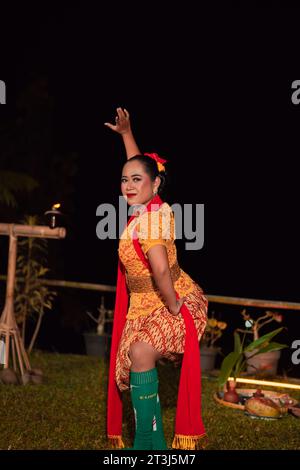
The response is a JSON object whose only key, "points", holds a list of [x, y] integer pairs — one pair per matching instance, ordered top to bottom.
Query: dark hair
{"points": [[150, 167]]}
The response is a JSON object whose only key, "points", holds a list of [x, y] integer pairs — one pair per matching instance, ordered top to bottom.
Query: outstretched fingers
{"points": [[121, 114], [122, 123], [111, 126]]}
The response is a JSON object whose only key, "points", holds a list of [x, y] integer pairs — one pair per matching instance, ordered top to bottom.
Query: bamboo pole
{"points": [[40, 231], [71, 284], [80, 285], [281, 304], [8, 324], [7, 338], [14, 354]]}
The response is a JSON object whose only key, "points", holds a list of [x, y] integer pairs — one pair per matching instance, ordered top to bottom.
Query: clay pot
{"points": [[208, 358], [263, 363], [231, 394]]}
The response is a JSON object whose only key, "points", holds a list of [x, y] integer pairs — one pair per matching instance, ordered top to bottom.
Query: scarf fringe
{"points": [[116, 442], [189, 442]]}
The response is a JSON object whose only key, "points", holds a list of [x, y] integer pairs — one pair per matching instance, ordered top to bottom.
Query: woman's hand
{"points": [[122, 125], [123, 128], [176, 309]]}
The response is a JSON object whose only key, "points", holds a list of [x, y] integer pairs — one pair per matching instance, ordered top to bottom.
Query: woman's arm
{"points": [[123, 127], [158, 259]]}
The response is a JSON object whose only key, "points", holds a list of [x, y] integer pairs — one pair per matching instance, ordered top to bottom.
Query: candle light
{"points": [[54, 215], [266, 382]]}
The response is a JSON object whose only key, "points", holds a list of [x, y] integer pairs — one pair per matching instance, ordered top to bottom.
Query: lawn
{"points": [[68, 411]]}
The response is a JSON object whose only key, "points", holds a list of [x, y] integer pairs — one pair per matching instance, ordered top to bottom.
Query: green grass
{"points": [[68, 411]]}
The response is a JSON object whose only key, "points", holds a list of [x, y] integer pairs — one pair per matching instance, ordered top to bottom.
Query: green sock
{"points": [[144, 387], [158, 437]]}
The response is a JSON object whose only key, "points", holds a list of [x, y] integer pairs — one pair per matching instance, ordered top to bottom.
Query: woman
{"points": [[167, 311]]}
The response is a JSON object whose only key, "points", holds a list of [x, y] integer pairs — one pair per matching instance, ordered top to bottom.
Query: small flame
{"points": [[55, 206]]}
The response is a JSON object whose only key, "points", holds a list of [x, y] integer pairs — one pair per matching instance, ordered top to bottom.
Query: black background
{"points": [[209, 89]]}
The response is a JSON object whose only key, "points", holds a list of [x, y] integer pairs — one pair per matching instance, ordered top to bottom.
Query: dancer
{"points": [[160, 312]]}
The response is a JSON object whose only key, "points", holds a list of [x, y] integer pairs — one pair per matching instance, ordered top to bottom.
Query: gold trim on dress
{"points": [[115, 442], [190, 442]]}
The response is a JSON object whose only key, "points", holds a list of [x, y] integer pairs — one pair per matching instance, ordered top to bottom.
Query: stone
{"points": [[36, 372], [9, 377], [25, 378], [36, 378]]}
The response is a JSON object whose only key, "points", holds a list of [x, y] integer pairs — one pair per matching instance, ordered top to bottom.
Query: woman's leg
{"points": [[143, 356], [144, 395]]}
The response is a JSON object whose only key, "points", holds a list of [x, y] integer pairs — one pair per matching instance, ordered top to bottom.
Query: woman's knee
{"points": [[137, 352], [140, 352]]}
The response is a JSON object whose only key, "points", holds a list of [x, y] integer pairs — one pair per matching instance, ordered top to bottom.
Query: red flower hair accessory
{"points": [[160, 161]]}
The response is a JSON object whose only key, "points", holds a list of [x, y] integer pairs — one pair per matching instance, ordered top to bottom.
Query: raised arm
{"points": [[123, 127]]}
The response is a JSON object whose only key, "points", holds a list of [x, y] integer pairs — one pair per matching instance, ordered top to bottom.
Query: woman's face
{"points": [[136, 185]]}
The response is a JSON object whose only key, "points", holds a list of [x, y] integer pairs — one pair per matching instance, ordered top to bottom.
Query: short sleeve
{"points": [[156, 228]]}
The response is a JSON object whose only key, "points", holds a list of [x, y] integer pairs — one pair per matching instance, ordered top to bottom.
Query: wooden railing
{"points": [[221, 299]]}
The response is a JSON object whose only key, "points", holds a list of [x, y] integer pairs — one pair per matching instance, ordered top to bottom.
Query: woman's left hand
{"points": [[122, 125], [176, 310]]}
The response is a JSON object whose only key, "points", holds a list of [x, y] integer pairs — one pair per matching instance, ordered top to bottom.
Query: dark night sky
{"points": [[208, 90]]}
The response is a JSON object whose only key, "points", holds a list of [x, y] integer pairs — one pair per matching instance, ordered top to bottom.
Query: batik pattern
{"points": [[162, 330]]}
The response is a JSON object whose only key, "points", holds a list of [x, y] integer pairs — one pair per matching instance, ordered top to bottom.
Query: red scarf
{"points": [[189, 428]]}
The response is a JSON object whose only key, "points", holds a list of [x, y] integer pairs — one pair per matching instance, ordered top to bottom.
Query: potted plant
{"points": [[97, 342], [208, 351], [235, 362], [267, 362]]}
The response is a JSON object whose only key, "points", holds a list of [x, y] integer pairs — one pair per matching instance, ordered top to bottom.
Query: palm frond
{"points": [[12, 182]]}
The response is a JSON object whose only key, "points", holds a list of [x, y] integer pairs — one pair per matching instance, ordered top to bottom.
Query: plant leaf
{"points": [[12, 182], [263, 339], [237, 343], [272, 347], [227, 366]]}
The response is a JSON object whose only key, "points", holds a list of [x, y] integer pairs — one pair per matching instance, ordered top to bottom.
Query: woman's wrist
{"points": [[127, 133], [173, 307]]}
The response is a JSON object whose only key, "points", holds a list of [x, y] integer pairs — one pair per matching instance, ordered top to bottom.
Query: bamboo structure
{"points": [[8, 325]]}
